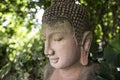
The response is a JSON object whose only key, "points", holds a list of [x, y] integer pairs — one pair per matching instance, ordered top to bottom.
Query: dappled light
{"points": [[21, 46]]}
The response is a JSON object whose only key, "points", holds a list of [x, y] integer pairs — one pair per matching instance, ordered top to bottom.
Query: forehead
{"points": [[57, 27]]}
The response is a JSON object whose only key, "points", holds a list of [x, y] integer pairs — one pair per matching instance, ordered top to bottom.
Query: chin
{"points": [[55, 65], [58, 66]]}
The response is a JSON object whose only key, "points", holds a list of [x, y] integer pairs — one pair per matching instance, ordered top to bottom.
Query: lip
{"points": [[54, 60]]}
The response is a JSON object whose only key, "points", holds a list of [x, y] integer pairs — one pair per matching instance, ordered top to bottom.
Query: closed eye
{"points": [[58, 39]]}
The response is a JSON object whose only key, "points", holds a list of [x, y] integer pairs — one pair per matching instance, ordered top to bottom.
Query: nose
{"points": [[48, 51]]}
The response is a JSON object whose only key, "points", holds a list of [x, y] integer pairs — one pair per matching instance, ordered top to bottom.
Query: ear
{"points": [[85, 46]]}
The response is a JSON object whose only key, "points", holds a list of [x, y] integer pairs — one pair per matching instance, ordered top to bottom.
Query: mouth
{"points": [[54, 60]]}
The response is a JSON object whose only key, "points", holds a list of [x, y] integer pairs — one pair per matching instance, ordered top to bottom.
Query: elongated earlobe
{"points": [[86, 43], [84, 58]]}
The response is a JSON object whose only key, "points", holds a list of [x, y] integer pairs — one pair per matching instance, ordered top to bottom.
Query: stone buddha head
{"points": [[66, 33]]}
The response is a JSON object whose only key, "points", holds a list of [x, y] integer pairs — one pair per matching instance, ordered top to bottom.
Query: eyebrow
{"points": [[54, 33]]}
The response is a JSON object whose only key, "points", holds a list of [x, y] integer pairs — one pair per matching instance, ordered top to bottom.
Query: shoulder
{"points": [[95, 66], [48, 70], [93, 70]]}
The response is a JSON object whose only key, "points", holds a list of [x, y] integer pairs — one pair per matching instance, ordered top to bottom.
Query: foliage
{"points": [[21, 47], [109, 67]]}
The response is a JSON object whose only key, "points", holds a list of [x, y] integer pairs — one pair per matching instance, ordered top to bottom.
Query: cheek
{"points": [[65, 48]]}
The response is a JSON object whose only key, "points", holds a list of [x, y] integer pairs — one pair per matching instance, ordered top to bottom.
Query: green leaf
{"points": [[112, 53], [5, 69]]}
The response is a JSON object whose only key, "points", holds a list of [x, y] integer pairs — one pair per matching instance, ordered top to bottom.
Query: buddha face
{"points": [[60, 45]]}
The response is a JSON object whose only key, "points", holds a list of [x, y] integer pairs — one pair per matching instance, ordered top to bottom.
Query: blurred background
{"points": [[21, 46]]}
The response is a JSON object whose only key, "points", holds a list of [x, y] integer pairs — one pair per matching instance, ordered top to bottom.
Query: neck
{"points": [[73, 70]]}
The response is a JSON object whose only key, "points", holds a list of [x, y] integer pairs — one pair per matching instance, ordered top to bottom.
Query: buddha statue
{"points": [[67, 40]]}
